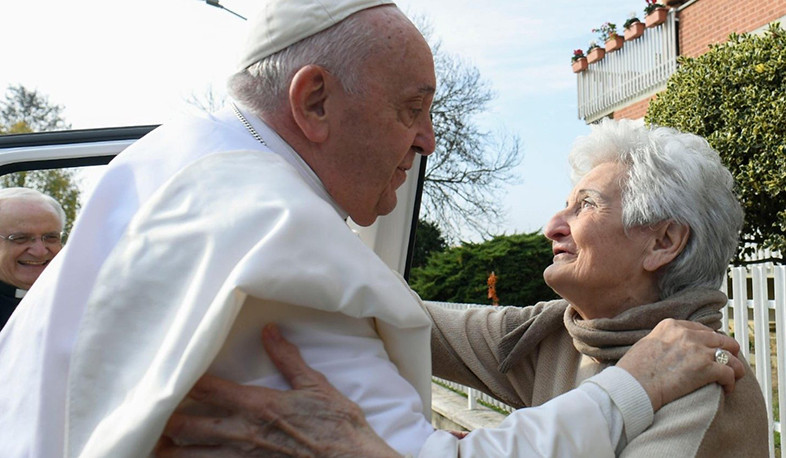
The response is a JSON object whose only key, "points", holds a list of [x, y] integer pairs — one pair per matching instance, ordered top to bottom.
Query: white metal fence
{"points": [[640, 68], [757, 304], [755, 316], [473, 396]]}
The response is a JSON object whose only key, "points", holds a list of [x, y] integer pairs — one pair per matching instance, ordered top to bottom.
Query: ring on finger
{"points": [[722, 356]]}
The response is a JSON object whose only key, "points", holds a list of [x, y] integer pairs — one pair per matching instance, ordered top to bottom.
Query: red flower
{"points": [[652, 5]]}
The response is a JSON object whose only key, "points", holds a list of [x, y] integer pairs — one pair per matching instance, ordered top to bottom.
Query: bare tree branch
{"points": [[465, 176]]}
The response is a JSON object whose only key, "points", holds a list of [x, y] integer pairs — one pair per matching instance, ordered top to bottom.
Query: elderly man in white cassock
{"points": [[212, 226]]}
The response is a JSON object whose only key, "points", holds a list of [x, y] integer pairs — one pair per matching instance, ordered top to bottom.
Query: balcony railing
{"points": [[641, 68]]}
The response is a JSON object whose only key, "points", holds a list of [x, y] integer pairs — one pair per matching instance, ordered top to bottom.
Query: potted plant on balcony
{"points": [[654, 13], [634, 28], [608, 35], [595, 53], [579, 61]]}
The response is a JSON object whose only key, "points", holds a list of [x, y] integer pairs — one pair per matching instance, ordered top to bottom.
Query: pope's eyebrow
{"points": [[427, 89]]}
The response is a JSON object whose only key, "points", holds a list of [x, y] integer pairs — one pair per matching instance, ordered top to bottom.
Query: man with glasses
{"points": [[31, 225]]}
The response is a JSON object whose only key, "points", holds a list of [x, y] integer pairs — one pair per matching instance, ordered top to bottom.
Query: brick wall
{"points": [[711, 21], [635, 110]]}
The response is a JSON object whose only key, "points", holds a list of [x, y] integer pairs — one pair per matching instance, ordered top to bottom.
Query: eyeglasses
{"points": [[27, 239]]}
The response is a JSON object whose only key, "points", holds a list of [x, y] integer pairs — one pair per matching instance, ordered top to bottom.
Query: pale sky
{"points": [[113, 63]]}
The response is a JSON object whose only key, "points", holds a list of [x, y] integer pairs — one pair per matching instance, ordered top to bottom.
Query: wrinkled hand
{"points": [[678, 357], [313, 420]]}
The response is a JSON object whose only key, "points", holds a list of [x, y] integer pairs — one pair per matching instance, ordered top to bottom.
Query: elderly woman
{"points": [[647, 234]]}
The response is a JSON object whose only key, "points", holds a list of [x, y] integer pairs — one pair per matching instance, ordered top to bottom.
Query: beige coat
{"points": [[466, 348]]}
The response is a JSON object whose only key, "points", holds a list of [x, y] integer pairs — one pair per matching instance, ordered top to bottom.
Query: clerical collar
{"points": [[278, 145], [11, 290]]}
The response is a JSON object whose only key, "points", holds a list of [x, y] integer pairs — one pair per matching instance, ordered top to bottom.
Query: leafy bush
{"points": [[735, 97], [460, 274]]}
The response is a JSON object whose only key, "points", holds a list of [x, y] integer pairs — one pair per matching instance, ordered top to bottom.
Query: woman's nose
{"points": [[557, 227]]}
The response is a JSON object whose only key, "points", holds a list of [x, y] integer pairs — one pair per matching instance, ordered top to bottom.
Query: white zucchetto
{"points": [[282, 23]]}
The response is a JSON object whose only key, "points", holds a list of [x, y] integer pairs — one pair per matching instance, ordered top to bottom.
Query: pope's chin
{"points": [[385, 205], [368, 218]]}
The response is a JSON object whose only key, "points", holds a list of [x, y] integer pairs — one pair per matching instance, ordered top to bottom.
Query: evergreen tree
{"points": [[428, 240], [461, 274]]}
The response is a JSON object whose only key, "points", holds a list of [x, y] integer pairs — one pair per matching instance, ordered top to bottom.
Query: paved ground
{"points": [[450, 412]]}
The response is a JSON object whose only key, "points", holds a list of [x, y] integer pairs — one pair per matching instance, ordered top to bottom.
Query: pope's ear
{"points": [[308, 92], [668, 241]]}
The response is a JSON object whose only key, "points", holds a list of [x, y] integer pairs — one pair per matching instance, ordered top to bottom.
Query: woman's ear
{"points": [[310, 88], [669, 239]]}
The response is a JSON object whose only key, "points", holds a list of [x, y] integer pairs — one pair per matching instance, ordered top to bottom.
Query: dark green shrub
{"points": [[459, 274]]}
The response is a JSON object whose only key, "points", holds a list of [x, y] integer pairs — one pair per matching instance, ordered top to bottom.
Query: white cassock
{"points": [[185, 227], [194, 238]]}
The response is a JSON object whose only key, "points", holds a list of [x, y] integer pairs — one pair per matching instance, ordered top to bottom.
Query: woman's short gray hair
{"points": [[341, 50], [671, 176], [32, 194]]}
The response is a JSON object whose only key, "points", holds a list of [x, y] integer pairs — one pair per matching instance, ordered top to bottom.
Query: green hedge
{"points": [[460, 274]]}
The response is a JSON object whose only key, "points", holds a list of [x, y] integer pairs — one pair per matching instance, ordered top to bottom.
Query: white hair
{"points": [[341, 49], [672, 176], [32, 194]]}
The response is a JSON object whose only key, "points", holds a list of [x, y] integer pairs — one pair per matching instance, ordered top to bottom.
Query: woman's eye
{"points": [[585, 204]]}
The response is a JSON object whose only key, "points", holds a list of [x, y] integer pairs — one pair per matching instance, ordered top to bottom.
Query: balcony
{"points": [[638, 70]]}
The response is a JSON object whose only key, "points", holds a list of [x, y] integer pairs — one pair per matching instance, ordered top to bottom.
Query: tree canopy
{"points": [[735, 96], [24, 111], [461, 274]]}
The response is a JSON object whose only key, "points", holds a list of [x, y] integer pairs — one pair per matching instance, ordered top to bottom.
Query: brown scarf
{"points": [[607, 339]]}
